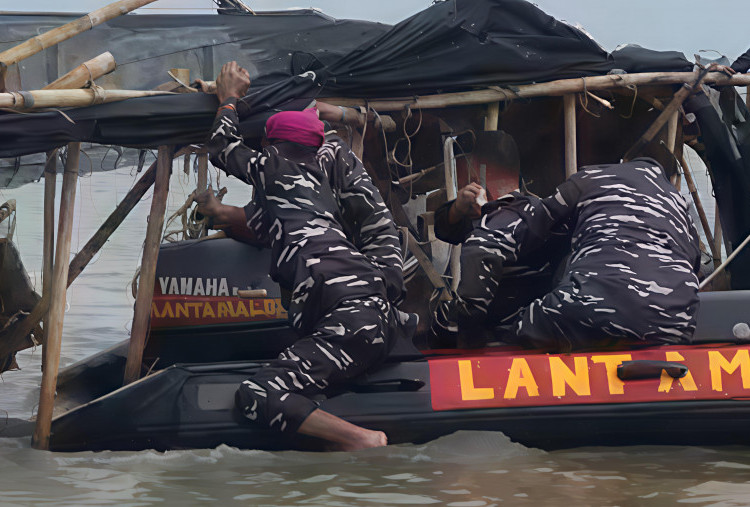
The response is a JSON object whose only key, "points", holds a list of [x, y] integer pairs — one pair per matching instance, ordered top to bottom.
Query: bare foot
{"points": [[343, 435], [367, 440]]}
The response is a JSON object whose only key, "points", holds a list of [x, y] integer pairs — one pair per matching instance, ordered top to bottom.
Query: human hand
{"points": [[724, 69], [233, 81], [469, 201], [208, 203]]}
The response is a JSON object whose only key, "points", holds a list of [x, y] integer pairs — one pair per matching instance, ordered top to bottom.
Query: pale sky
{"points": [[683, 25]]}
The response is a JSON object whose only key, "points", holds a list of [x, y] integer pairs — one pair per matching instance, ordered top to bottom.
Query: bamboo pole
{"points": [[68, 30], [85, 74], [551, 89], [37, 99], [665, 115], [493, 116], [671, 143], [571, 154], [202, 172], [701, 212], [718, 231], [48, 247], [145, 294], [16, 337], [40, 439]]}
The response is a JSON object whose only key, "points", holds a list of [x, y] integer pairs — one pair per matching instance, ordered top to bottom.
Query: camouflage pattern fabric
{"points": [[334, 247]]}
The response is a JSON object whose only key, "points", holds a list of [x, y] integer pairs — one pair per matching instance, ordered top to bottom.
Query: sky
{"points": [[689, 26]]}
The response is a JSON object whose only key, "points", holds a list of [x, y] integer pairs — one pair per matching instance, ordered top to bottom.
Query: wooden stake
{"points": [[68, 30], [85, 74], [551, 89], [37, 99], [571, 154], [202, 172], [718, 232], [48, 247], [142, 313], [40, 440]]}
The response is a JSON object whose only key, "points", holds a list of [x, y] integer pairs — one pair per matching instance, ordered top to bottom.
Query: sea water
{"points": [[462, 470]]}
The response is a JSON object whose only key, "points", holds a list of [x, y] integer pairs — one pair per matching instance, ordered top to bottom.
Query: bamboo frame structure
{"points": [[68, 30], [85, 74], [550, 89], [37, 99], [571, 154], [48, 246], [142, 313], [40, 440]]}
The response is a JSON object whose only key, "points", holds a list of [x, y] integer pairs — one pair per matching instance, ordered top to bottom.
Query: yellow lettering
{"points": [[269, 306], [196, 309], [167, 310], [181, 310], [223, 310], [241, 310], [155, 311], [208, 311], [717, 362], [520, 376], [562, 376], [466, 379], [687, 382], [616, 386]]}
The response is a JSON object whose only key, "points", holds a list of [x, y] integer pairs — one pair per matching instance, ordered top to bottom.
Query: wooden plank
{"points": [[68, 30], [571, 154], [142, 312], [40, 439]]}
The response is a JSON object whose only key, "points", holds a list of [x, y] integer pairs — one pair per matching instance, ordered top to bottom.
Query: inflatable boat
{"points": [[206, 339]]}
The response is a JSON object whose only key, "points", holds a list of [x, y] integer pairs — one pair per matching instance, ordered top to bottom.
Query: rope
{"points": [[192, 227]]}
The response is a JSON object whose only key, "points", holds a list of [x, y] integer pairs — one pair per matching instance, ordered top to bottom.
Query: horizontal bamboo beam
{"points": [[68, 30], [85, 74], [550, 89], [38, 99]]}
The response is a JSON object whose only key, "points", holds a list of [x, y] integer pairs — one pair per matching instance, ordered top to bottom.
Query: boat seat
{"points": [[723, 317]]}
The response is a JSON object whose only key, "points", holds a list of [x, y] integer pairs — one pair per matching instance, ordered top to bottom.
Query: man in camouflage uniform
{"points": [[334, 247], [632, 272]]}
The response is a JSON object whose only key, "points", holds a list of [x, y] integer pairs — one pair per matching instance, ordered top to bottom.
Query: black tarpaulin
{"points": [[451, 46]]}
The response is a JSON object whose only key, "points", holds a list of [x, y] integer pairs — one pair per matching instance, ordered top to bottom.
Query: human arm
{"points": [[225, 146], [454, 219], [238, 223], [371, 224]]}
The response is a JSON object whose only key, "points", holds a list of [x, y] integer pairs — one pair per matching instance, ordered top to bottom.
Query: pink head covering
{"points": [[301, 127]]}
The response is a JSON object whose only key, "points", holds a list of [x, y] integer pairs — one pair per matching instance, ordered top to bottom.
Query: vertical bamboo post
{"points": [[747, 96], [493, 116], [671, 143], [571, 155], [202, 172], [718, 232], [48, 247], [142, 312], [40, 439]]}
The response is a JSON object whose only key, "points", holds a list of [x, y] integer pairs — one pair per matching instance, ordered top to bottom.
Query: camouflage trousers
{"points": [[344, 344]]}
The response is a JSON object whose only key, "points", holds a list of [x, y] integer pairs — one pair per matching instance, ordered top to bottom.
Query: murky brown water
{"points": [[462, 470]]}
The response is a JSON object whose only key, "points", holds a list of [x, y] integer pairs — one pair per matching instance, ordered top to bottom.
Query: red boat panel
{"points": [[179, 311], [507, 378]]}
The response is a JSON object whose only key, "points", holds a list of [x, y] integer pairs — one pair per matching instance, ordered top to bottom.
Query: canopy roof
{"points": [[294, 56]]}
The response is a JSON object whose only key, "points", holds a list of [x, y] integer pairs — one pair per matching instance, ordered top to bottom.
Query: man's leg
{"points": [[345, 343]]}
